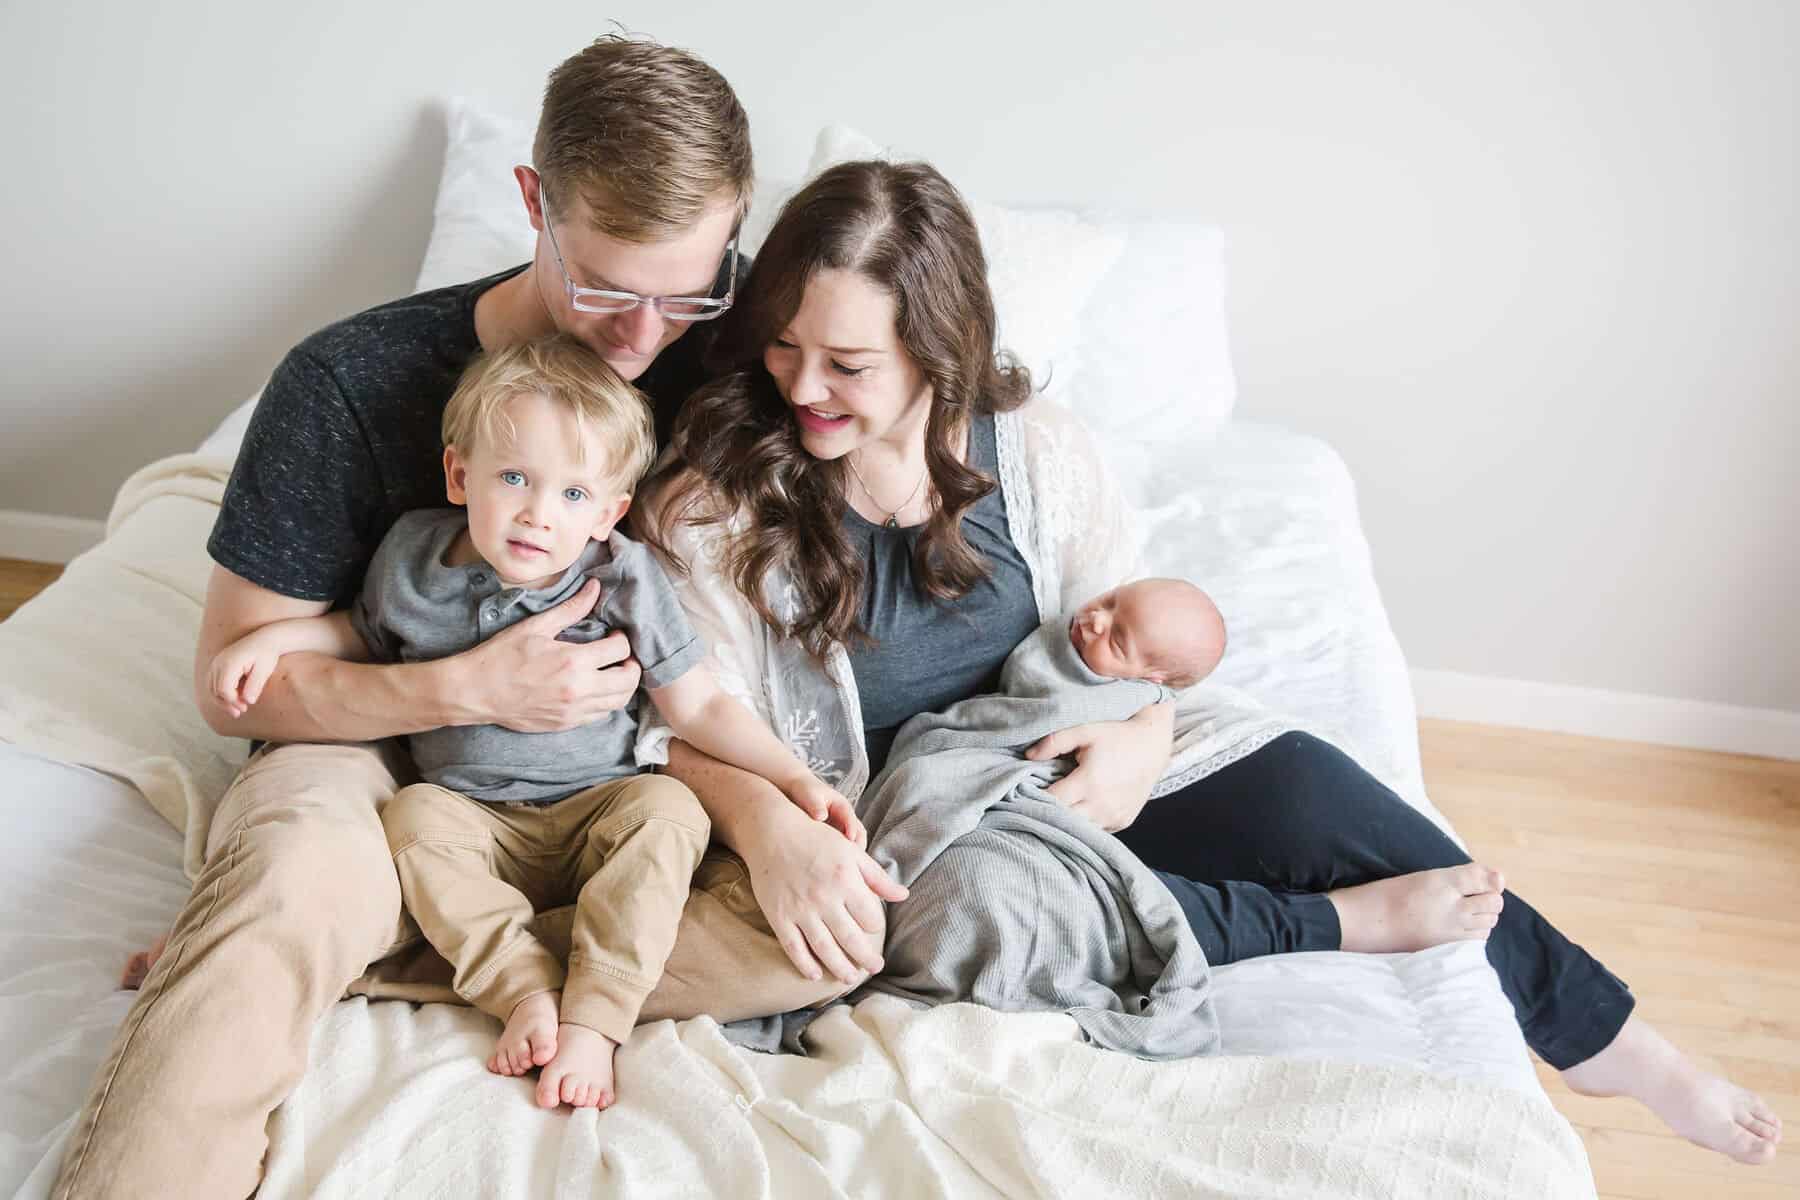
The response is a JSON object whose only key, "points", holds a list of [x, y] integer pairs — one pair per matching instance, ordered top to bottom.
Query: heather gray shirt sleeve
{"points": [[638, 600], [367, 613]]}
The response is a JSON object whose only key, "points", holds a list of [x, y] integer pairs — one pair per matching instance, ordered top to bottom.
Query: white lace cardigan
{"points": [[1078, 537]]}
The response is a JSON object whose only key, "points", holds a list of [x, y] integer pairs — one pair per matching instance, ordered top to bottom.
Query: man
{"points": [[642, 173]]}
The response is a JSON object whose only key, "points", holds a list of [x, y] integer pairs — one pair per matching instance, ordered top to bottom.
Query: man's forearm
{"points": [[315, 698], [732, 798]]}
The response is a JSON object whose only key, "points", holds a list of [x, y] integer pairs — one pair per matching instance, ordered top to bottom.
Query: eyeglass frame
{"points": [[717, 305]]}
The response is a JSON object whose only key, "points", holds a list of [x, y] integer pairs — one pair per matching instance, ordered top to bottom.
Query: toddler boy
{"points": [[543, 444]]}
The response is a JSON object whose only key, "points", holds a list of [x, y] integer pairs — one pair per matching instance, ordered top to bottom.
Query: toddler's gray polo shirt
{"points": [[413, 608]]}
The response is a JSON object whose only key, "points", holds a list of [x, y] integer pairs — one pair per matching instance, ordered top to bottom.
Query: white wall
{"points": [[1530, 266]]}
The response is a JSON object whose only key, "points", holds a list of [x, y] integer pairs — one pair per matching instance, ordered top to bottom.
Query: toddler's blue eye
{"points": [[513, 478], [574, 495]]}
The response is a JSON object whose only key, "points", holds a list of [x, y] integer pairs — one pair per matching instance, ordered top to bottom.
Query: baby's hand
{"points": [[238, 674], [827, 804]]}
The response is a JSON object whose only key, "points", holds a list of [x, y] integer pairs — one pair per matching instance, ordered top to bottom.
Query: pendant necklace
{"points": [[893, 516]]}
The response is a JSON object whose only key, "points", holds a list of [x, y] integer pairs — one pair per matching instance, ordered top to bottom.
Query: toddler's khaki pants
{"points": [[474, 875]]}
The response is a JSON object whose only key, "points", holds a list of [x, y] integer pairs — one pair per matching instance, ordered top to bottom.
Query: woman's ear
{"points": [[456, 476]]}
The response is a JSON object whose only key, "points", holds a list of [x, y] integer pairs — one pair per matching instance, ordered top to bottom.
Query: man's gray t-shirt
{"points": [[414, 608]]}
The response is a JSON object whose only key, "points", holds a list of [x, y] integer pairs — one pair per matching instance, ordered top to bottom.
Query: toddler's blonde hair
{"points": [[608, 411]]}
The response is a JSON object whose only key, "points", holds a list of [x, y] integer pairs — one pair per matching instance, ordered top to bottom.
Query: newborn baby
{"points": [[1166, 631]]}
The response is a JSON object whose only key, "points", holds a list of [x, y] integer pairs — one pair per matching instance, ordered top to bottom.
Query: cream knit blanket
{"points": [[957, 1101]]}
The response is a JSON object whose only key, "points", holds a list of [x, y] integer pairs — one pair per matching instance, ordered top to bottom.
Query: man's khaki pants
{"points": [[474, 875], [298, 897]]}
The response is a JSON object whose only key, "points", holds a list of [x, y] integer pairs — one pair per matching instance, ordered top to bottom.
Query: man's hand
{"points": [[529, 682], [1117, 763], [821, 894]]}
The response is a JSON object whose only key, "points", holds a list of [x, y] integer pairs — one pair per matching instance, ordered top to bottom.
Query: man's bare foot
{"points": [[1421, 910], [137, 967], [529, 1039], [581, 1074], [1702, 1107]]}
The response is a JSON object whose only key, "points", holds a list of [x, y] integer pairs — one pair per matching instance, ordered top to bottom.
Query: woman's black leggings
{"points": [[1299, 818]]}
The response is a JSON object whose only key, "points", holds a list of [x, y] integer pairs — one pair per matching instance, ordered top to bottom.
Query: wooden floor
{"points": [[20, 581], [1678, 869]]}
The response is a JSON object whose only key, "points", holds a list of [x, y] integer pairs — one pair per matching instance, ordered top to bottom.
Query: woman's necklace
{"points": [[893, 515]]}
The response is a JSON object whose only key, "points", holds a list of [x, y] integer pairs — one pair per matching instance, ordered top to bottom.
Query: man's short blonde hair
{"points": [[648, 135], [608, 412]]}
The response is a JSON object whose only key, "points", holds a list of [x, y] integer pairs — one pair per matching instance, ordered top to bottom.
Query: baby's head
{"points": [[544, 443], [1165, 630]]}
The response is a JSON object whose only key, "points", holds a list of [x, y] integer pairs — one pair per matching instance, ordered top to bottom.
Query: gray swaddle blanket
{"points": [[1018, 903]]}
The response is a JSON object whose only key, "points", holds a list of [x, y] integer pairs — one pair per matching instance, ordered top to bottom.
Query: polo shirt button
{"points": [[479, 576]]}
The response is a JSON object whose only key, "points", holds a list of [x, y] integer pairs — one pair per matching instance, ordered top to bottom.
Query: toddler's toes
{"points": [[541, 1046], [549, 1090]]}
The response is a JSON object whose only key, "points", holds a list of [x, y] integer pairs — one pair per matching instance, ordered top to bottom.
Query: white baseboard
{"points": [[44, 537], [1593, 712]]}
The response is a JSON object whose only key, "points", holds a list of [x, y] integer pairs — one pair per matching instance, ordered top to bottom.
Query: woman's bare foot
{"points": [[1421, 910], [137, 967], [529, 1039], [581, 1074], [1702, 1107]]}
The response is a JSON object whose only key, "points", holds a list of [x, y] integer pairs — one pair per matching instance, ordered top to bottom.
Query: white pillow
{"points": [[479, 224], [1155, 368]]}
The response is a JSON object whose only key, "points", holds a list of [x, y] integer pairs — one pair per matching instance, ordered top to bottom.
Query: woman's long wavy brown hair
{"points": [[736, 448]]}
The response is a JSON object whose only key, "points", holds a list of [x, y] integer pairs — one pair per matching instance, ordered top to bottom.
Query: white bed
{"points": [[1343, 1075]]}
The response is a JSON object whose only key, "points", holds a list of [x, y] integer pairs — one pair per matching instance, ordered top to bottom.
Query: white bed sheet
{"points": [[1266, 520], [94, 874]]}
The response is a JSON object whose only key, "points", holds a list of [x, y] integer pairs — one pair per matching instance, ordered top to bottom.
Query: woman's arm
{"points": [[705, 716], [1117, 764], [820, 893]]}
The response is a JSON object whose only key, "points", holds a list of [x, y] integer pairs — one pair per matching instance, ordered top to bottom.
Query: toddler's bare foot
{"points": [[1421, 910], [137, 967], [529, 1039], [581, 1074], [1702, 1107]]}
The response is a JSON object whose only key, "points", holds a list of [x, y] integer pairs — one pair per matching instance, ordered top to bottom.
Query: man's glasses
{"points": [[675, 308]]}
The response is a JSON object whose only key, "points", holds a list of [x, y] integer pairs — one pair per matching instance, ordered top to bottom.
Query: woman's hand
{"points": [[1117, 763], [821, 893]]}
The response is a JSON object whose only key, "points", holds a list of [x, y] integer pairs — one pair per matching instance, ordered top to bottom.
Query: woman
{"points": [[854, 563]]}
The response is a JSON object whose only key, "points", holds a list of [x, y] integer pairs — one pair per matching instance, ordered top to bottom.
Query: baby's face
{"points": [[534, 499], [1164, 630], [1116, 635]]}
